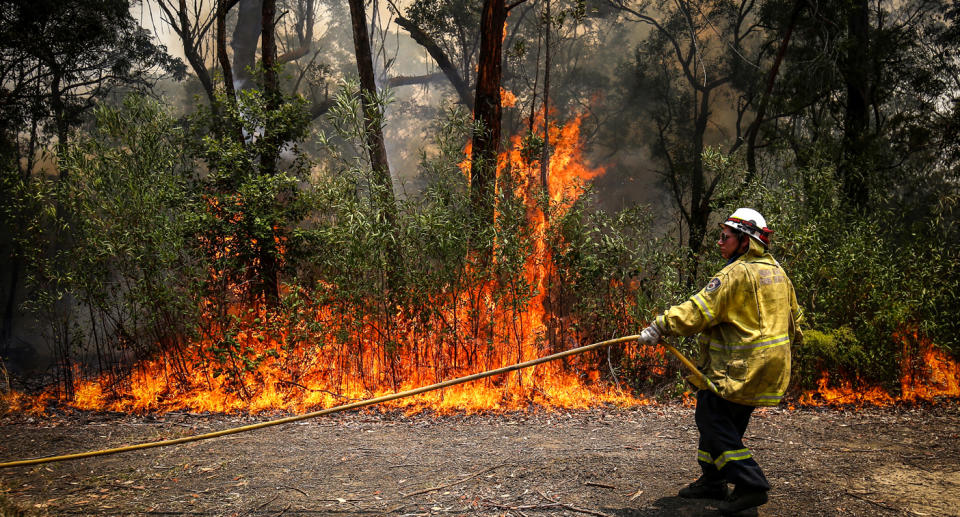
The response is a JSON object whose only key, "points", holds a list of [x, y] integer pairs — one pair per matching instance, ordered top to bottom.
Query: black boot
{"points": [[704, 488], [742, 499]]}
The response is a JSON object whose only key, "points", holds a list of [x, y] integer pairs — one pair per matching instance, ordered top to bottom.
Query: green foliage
{"points": [[443, 18], [60, 56], [897, 141], [347, 147], [250, 199], [156, 231], [351, 233], [111, 236], [595, 250], [134, 251], [601, 259], [615, 272], [836, 351]]}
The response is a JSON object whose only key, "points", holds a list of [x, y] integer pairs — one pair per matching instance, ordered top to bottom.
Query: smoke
{"points": [[587, 58], [591, 63]]}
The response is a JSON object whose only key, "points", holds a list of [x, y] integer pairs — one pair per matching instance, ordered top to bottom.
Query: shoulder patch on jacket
{"points": [[713, 285]]}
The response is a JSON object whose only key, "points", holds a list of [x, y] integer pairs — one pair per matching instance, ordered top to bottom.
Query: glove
{"points": [[649, 336]]}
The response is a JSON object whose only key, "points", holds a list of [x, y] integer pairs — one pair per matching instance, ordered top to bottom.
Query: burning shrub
{"points": [[249, 183], [613, 275], [377, 298], [351, 324]]}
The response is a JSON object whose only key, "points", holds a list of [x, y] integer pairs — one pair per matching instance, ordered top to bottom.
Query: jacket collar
{"points": [[753, 253]]}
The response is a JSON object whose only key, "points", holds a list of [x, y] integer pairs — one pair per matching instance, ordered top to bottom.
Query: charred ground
{"points": [[605, 461]]}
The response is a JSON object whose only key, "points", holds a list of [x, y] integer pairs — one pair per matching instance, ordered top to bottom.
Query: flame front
{"points": [[335, 357], [320, 372]]}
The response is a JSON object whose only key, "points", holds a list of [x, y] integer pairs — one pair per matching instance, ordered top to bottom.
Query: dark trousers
{"points": [[721, 454]]}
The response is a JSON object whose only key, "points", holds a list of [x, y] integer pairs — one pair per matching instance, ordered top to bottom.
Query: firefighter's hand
{"points": [[649, 336]]}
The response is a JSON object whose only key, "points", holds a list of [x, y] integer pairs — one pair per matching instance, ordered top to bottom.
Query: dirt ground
{"points": [[606, 461]]}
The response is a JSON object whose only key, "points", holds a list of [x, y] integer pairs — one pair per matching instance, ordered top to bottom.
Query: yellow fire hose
{"points": [[363, 403]]}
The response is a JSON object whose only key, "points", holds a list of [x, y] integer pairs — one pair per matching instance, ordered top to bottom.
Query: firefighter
{"points": [[747, 317]]}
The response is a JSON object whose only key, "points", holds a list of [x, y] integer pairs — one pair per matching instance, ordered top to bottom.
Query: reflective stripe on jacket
{"points": [[748, 316]]}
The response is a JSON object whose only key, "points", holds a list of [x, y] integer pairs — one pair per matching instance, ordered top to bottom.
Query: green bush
{"points": [[110, 266], [615, 272], [837, 351]]}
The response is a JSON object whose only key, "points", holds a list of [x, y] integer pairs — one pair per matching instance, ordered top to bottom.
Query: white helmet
{"points": [[750, 222]]}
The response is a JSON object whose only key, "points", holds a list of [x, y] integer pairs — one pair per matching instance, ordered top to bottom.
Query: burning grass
{"points": [[320, 373]]}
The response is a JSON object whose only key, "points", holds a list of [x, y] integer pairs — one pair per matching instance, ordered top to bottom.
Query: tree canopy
{"points": [[58, 59]]}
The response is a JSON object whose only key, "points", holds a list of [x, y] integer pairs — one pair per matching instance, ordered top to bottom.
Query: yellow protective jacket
{"points": [[748, 317]]}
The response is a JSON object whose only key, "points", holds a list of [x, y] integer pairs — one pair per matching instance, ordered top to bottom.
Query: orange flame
{"points": [[507, 98], [275, 362], [927, 374], [850, 392], [16, 402]]}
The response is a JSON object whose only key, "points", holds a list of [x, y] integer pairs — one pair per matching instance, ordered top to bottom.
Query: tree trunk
{"points": [[244, 42], [268, 49], [222, 50], [224, 59], [771, 79], [407, 80], [271, 84], [371, 111], [59, 114], [856, 116], [373, 121], [486, 144], [545, 158], [699, 203], [270, 269], [10, 307]]}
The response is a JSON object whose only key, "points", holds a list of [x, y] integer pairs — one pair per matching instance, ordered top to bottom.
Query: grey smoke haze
{"points": [[409, 120]]}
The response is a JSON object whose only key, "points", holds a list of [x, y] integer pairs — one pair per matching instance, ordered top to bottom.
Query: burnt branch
{"points": [[407, 80]]}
